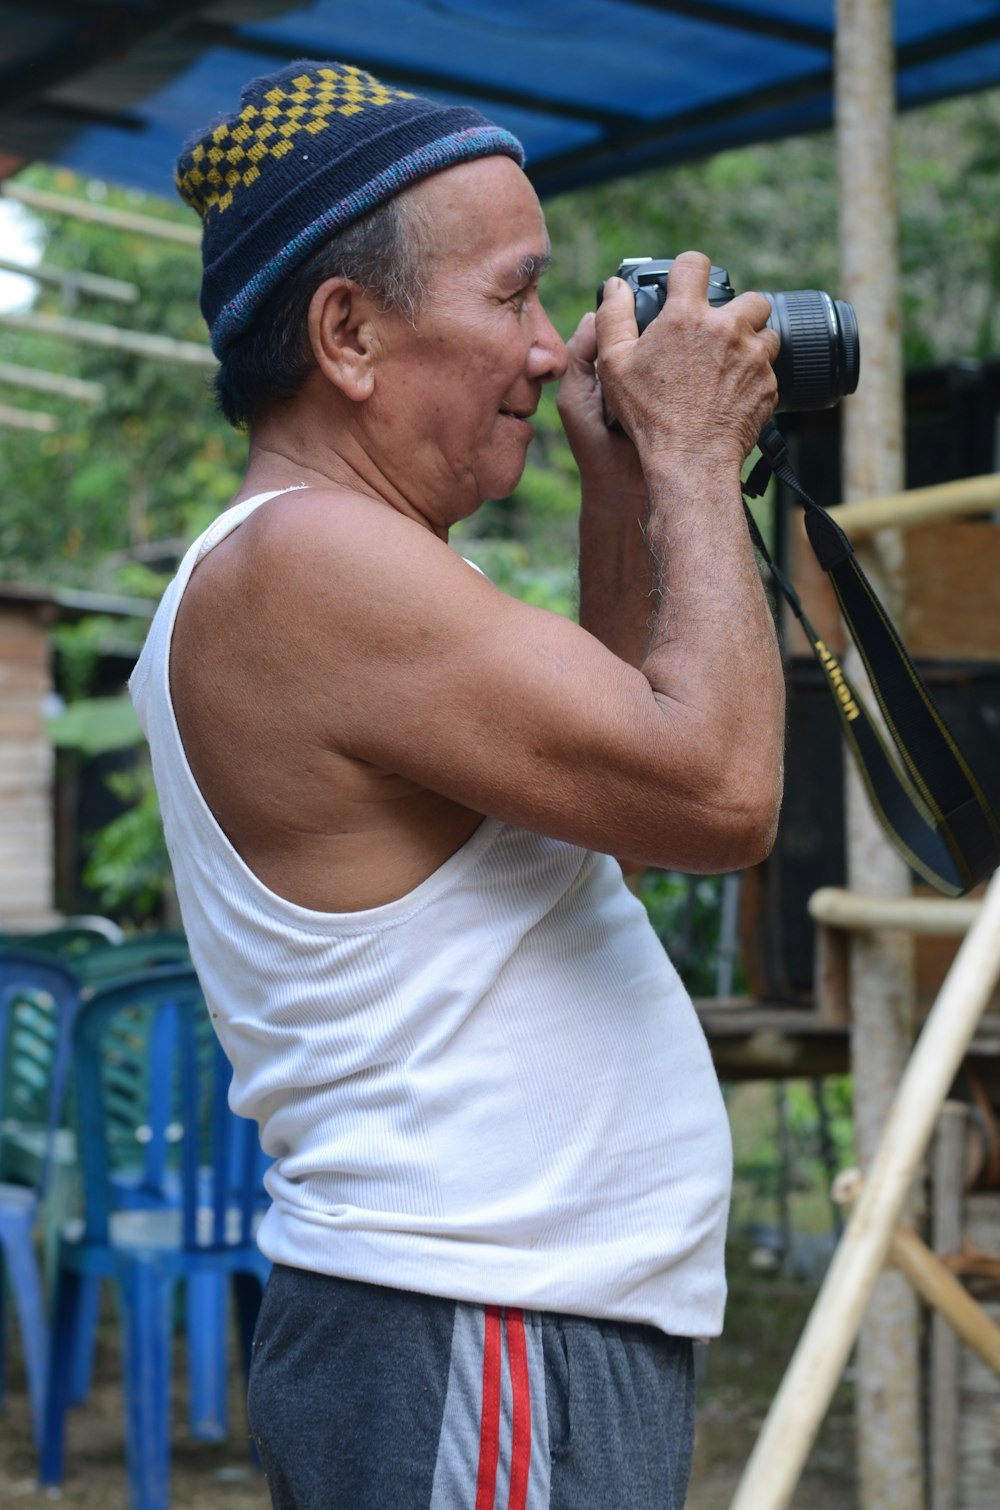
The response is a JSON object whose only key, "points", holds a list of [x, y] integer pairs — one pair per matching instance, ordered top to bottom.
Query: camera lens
{"points": [[820, 354]]}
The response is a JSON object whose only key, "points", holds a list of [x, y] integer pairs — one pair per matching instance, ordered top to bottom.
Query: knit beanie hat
{"points": [[311, 149]]}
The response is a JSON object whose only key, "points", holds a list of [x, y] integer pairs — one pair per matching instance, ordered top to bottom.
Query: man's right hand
{"points": [[698, 383]]}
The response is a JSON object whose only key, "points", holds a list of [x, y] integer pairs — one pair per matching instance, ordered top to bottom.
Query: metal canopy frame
{"points": [[596, 89]]}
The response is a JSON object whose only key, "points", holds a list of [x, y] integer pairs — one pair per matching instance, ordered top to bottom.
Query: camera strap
{"points": [[921, 788]]}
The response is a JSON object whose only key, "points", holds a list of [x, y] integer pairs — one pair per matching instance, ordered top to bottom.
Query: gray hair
{"points": [[384, 253]]}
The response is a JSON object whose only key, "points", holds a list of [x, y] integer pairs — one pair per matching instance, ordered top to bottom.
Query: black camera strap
{"points": [[924, 795]]}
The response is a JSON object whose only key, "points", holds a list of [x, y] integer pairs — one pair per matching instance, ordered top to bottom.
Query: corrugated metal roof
{"points": [[594, 88]]}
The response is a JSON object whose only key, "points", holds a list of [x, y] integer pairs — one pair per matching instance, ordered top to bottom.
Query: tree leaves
{"points": [[96, 725]]}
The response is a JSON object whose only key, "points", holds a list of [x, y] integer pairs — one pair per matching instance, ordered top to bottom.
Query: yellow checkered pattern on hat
{"points": [[232, 156]]}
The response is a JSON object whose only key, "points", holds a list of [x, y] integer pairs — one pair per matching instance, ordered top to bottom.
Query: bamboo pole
{"points": [[102, 214], [70, 280], [91, 333], [79, 389], [12, 418], [945, 500], [942, 916], [933, 1280], [948, 1296], [781, 1450]]}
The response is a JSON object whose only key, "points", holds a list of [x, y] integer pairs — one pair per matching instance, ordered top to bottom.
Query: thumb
{"points": [[616, 315], [581, 348]]}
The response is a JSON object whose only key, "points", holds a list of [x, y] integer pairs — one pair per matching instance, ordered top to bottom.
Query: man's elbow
{"points": [[739, 821], [750, 824], [756, 840]]}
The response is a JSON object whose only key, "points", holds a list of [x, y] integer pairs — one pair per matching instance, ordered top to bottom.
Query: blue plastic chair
{"points": [[97, 952], [39, 998], [145, 1178], [207, 1237]]}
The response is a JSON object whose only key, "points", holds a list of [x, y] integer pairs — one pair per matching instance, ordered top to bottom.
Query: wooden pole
{"points": [[102, 214], [72, 281], [91, 333], [78, 389], [12, 418], [945, 500], [943, 916], [882, 973], [948, 1169], [946, 1295], [782, 1448]]}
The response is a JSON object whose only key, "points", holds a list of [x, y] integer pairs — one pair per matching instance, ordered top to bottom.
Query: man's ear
{"points": [[341, 334]]}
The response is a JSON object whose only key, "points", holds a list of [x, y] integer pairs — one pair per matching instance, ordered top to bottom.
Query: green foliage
{"points": [[769, 214], [949, 231], [151, 458], [154, 462], [129, 481], [511, 567], [80, 647], [96, 725], [129, 868], [686, 912], [789, 1140]]}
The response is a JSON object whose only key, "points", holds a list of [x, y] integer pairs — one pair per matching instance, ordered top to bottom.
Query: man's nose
{"points": [[548, 352]]}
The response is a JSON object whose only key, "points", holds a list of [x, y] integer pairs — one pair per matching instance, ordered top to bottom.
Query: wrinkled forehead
{"points": [[482, 211]]}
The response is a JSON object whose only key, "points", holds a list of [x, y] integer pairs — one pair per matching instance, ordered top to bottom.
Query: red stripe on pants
{"points": [[489, 1425], [520, 1447]]}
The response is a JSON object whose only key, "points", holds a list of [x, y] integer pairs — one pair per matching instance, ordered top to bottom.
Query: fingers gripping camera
{"points": [[820, 354]]}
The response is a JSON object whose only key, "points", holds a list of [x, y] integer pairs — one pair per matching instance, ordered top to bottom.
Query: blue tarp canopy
{"points": [[594, 88]]}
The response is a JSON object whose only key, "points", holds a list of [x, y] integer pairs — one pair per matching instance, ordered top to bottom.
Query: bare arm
{"points": [[616, 573], [669, 581], [352, 632]]}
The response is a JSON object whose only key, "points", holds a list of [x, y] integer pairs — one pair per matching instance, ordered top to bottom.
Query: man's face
{"points": [[453, 391]]}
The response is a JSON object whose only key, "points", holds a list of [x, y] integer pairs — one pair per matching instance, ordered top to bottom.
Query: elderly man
{"points": [[391, 793]]}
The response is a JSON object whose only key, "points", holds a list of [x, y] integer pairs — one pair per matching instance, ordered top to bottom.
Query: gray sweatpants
{"points": [[364, 1398]]}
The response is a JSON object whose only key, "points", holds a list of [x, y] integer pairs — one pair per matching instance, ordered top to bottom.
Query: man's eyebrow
{"points": [[532, 266]]}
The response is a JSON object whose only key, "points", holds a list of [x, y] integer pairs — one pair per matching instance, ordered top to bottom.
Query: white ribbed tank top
{"points": [[494, 1089]]}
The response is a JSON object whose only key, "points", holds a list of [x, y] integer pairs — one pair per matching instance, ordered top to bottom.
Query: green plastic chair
{"points": [[71, 941], [142, 951], [39, 999]]}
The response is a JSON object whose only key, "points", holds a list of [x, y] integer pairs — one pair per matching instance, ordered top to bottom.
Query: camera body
{"points": [[819, 360]]}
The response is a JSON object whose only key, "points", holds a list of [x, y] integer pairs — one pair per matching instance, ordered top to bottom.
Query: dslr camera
{"points": [[820, 351]]}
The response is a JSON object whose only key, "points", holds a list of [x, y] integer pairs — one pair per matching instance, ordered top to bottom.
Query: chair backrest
{"points": [[70, 941], [163, 946], [39, 1000], [152, 1082]]}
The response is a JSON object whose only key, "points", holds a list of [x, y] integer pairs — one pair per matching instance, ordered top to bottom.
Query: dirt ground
{"points": [[742, 1372], [739, 1375]]}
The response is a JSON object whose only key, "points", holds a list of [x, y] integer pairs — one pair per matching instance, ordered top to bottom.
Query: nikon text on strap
{"points": [[924, 795]]}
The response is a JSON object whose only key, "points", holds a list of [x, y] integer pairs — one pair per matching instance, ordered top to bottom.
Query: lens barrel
{"points": [[820, 357]]}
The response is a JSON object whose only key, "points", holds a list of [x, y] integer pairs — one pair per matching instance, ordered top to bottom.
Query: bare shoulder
{"points": [[319, 558], [315, 607], [332, 637], [275, 684]]}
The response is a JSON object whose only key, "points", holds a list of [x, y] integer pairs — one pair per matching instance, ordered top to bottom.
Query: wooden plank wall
{"points": [[952, 605], [26, 759], [978, 1454]]}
